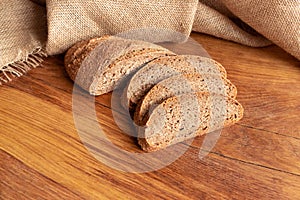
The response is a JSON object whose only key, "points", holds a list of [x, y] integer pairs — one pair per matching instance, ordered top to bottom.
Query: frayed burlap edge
{"points": [[21, 67]]}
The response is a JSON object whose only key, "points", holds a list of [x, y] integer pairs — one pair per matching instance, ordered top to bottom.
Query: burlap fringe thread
{"points": [[19, 68]]}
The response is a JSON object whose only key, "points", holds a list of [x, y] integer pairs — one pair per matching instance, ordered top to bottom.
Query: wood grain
{"points": [[42, 156]]}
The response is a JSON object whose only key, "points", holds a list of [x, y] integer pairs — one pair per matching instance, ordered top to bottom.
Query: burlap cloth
{"points": [[33, 29]]}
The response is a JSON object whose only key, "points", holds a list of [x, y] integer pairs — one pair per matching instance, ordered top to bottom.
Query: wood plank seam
{"points": [[260, 129], [246, 162]]}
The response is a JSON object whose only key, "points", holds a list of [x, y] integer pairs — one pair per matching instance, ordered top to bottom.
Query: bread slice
{"points": [[91, 62], [165, 67], [181, 84], [186, 116]]}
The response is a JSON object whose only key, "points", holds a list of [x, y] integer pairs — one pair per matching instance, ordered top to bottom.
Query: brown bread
{"points": [[99, 64], [165, 67], [181, 84], [183, 117]]}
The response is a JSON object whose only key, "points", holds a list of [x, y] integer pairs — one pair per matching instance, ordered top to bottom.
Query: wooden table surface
{"points": [[42, 156]]}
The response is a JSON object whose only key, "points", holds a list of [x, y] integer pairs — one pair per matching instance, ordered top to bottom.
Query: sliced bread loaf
{"points": [[91, 62], [165, 67], [181, 84], [186, 116]]}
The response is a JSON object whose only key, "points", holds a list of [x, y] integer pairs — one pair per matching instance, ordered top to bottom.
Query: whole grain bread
{"points": [[92, 63], [165, 67], [181, 84], [185, 116]]}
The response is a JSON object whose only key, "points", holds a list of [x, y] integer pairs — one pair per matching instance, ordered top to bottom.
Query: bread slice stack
{"points": [[99, 65], [163, 68], [182, 84], [172, 97], [176, 98]]}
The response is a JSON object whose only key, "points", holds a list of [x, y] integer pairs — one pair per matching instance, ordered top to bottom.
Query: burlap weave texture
{"points": [[93, 18], [30, 27]]}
